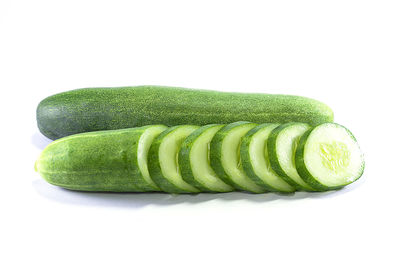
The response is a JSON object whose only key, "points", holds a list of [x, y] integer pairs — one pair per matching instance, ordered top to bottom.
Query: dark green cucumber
{"points": [[93, 109], [225, 156], [328, 157], [163, 160], [194, 160], [98, 161], [255, 161]]}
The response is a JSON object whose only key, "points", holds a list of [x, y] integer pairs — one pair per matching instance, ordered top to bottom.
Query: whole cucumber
{"points": [[94, 109]]}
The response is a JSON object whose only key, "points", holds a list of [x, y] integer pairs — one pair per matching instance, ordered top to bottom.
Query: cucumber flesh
{"points": [[282, 145], [143, 147], [329, 157], [226, 159], [163, 160], [194, 160], [256, 162]]}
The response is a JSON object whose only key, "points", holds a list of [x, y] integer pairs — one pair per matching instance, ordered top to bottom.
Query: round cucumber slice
{"points": [[147, 135], [281, 146], [225, 156], [329, 157], [163, 160], [194, 161], [256, 162]]}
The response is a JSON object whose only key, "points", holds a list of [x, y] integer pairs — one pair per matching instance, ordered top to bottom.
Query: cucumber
{"points": [[94, 109], [281, 146], [225, 156], [329, 157], [163, 160], [194, 160], [100, 161], [256, 165]]}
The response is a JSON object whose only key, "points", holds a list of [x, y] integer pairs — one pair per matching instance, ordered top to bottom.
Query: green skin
{"points": [[94, 109], [215, 154], [184, 159], [97, 161], [246, 162], [275, 165], [155, 167], [301, 167]]}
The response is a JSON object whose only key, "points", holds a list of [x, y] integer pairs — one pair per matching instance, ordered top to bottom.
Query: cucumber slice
{"points": [[146, 134], [281, 146], [225, 156], [329, 157], [163, 160], [194, 160], [255, 160]]}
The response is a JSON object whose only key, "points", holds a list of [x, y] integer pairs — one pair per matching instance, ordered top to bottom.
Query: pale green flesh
{"points": [[286, 144], [143, 148], [168, 156], [332, 156], [231, 161], [260, 161], [200, 162]]}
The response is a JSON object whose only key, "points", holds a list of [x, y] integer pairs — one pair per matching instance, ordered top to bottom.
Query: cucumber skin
{"points": [[94, 109], [272, 155], [184, 159], [99, 161], [247, 166], [155, 168], [303, 171]]}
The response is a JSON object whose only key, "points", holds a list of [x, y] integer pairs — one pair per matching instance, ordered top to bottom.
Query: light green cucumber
{"points": [[281, 146], [254, 155], [225, 156], [329, 157], [163, 160], [100, 161], [194, 161]]}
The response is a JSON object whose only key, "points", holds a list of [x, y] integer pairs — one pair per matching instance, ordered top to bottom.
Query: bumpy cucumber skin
{"points": [[93, 109], [215, 154], [184, 158], [273, 158], [98, 161], [246, 162], [155, 167], [302, 168]]}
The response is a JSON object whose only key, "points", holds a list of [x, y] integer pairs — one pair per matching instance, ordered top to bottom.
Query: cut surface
{"points": [[285, 141], [144, 144], [168, 156], [331, 156], [230, 158], [200, 162], [260, 164]]}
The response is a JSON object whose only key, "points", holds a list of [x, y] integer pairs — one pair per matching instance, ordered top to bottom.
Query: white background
{"points": [[344, 53]]}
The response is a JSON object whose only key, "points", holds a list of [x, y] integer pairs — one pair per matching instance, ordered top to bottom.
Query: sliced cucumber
{"points": [[281, 146], [225, 156], [329, 157], [163, 160], [255, 160], [194, 161]]}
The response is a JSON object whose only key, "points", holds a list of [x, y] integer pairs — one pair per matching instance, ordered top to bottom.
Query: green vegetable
{"points": [[93, 109], [281, 146], [225, 156], [328, 157], [163, 160], [100, 161], [194, 161], [255, 161]]}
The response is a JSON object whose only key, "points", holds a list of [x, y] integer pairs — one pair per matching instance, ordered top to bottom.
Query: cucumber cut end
{"points": [[329, 157]]}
